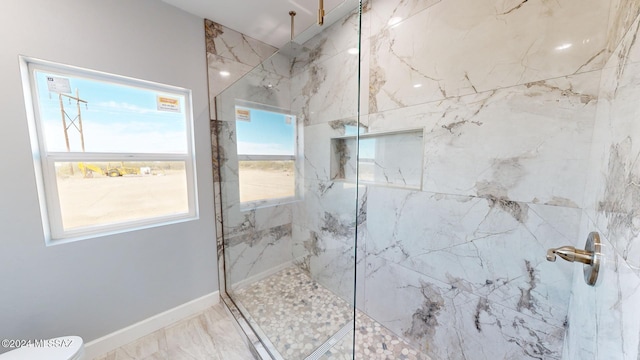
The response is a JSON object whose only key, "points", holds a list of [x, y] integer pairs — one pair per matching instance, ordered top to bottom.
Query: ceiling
{"points": [[265, 20]]}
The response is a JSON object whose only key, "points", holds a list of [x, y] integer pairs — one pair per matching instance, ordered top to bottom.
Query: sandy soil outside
{"points": [[257, 184], [101, 199], [104, 200]]}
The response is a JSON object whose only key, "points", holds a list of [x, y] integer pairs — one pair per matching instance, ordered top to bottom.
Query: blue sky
{"points": [[117, 118], [267, 133], [367, 148]]}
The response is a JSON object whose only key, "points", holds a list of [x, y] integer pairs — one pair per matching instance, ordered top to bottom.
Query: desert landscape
{"points": [[260, 180], [89, 198], [103, 199]]}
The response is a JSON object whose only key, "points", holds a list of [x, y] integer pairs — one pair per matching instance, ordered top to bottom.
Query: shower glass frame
{"points": [[256, 338]]}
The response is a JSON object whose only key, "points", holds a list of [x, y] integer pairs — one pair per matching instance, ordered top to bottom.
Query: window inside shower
{"points": [[266, 145]]}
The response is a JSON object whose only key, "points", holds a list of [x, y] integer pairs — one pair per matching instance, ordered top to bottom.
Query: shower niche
{"points": [[382, 158]]}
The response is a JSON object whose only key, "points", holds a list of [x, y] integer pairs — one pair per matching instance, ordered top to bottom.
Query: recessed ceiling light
{"points": [[564, 46], [353, 51], [224, 73], [417, 86]]}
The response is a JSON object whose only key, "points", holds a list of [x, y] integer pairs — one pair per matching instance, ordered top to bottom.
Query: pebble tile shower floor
{"points": [[298, 315]]}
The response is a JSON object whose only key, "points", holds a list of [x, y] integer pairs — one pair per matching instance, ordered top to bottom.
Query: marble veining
{"points": [[386, 14], [622, 15], [453, 30], [337, 39], [233, 45], [232, 54], [327, 90], [528, 144], [341, 158], [381, 159], [513, 167], [621, 194], [611, 197], [611, 208], [430, 231], [254, 253], [446, 322]]}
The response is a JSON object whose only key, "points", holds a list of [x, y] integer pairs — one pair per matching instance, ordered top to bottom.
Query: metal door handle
{"points": [[590, 257]]}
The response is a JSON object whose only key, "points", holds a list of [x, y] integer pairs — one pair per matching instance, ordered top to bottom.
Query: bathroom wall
{"points": [[94, 287], [604, 321]]}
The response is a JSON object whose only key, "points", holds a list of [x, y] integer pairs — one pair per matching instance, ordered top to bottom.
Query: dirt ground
{"points": [[257, 184], [99, 200], [103, 200]]}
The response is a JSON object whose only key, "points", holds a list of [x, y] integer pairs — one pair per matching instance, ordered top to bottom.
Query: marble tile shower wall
{"points": [[240, 67], [324, 88], [507, 93], [605, 320]]}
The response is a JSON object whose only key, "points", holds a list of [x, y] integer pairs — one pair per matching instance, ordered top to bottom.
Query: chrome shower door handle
{"points": [[591, 256]]}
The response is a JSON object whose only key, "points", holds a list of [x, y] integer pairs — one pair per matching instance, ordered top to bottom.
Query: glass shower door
{"points": [[288, 219]]}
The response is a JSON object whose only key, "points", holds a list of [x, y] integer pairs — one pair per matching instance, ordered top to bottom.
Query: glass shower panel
{"points": [[289, 228]]}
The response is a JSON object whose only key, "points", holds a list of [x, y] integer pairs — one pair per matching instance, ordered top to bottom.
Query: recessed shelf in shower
{"points": [[386, 158]]}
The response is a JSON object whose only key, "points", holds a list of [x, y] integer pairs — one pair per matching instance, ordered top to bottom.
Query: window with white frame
{"points": [[266, 144], [112, 153]]}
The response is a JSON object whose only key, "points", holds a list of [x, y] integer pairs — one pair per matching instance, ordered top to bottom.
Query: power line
{"points": [[72, 122]]}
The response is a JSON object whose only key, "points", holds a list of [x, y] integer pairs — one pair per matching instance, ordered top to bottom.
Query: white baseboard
{"points": [[109, 342]]}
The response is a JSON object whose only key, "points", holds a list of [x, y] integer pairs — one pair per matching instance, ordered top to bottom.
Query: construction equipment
{"points": [[88, 169], [111, 170], [121, 170]]}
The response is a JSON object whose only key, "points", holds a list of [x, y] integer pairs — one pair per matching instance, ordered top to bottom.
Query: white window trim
{"points": [[44, 161]]}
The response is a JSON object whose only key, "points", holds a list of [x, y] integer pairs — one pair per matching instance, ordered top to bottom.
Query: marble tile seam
{"points": [[485, 91]]}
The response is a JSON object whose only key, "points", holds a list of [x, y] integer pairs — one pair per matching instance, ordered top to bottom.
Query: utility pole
{"points": [[72, 122]]}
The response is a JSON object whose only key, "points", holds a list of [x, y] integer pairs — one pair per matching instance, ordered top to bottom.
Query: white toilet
{"points": [[62, 348]]}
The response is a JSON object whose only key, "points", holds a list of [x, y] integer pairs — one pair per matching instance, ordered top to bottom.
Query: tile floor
{"points": [[209, 335]]}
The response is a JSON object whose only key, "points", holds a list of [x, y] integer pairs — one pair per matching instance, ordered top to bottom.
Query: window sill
{"points": [[124, 228]]}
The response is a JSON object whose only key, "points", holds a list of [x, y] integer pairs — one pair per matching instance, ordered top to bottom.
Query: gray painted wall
{"points": [[93, 287]]}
